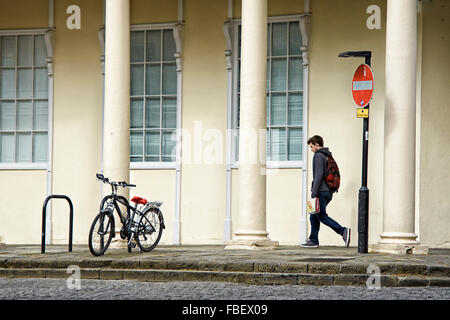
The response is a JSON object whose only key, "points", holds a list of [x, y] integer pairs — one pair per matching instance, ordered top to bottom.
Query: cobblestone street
{"points": [[49, 289]]}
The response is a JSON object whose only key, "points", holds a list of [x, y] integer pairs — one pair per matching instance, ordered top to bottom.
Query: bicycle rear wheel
{"points": [[149, 230], [101, 233]]}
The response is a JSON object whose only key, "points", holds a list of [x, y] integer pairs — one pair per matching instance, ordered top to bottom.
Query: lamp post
{"points": [[363, 196]]}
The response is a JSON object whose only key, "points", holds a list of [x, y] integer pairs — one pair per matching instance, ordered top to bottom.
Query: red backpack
{"points": [[332, 175]]}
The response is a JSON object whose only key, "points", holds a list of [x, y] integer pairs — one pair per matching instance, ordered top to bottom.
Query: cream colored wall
{"points": [[275, 7], [153, 11], [23, 14], [338, 26], [204, 109], [77, 119], [435, 132], [157, 185], [22, 191], [22, 196], [284, 205]]}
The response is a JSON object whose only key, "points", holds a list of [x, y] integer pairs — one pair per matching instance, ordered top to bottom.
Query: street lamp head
{"points": [[349, 54]]}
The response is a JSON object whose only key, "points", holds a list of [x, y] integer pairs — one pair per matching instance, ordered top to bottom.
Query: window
{"points": [[153, 96], [23, 99], [284, 107]]}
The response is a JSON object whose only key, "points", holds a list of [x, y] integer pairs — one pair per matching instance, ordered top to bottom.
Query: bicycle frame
{"points": [[113, 200], [116, 200]]}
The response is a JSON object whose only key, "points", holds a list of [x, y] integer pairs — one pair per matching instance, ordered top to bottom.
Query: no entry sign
{"points": [[362, 85]]}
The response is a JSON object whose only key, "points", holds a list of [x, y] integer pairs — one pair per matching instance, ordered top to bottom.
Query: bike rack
{"points": [[44, 214]]}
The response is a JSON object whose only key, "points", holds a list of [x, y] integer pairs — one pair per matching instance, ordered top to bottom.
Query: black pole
{"points": [[363, 195]]}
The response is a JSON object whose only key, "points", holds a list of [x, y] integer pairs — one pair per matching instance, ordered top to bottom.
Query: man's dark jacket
{"points": [[319, 169]]}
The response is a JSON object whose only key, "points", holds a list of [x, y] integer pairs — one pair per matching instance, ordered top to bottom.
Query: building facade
{"points": [[207, 105]]}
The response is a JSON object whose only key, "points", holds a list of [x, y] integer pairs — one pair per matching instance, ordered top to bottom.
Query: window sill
{"points": [[152, 165], [277, 165], [24, 166]]}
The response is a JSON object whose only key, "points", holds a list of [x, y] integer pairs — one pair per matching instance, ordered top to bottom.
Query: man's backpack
{"points": [[332, 175]]}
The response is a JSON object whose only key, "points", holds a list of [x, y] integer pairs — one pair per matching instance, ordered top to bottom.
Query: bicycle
{"points": [[144, 224]]}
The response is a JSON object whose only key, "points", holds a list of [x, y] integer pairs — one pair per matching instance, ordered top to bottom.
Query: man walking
{"points": [[321, 191]]}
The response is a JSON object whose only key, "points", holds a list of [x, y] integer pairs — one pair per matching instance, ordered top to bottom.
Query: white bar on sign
{"points": [[362, 85]]}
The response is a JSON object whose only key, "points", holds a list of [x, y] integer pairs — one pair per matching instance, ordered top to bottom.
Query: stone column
{"points": [[116, 130], [400, 130], [116, 149], [251, 232]]}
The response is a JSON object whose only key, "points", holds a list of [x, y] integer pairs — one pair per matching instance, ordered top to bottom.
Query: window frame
{"points": [[159, 164], [270, 164], [42, 165]]}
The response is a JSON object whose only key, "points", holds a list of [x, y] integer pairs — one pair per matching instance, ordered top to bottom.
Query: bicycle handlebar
{"points": [[122, 184]]}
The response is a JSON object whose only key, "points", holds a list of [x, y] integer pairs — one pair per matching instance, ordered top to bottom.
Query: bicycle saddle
{"points": [[139, 200]]}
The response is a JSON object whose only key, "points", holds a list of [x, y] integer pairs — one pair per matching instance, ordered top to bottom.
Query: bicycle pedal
{"points": [[132, 245]]}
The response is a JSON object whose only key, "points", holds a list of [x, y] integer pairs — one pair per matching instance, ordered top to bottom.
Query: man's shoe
{"points": [[346, 237], [309, 244]]}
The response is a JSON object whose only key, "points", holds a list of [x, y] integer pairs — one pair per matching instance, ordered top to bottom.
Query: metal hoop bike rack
{"points": [[44, 214]]}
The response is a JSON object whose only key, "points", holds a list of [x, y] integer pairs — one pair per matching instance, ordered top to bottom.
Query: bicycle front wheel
{"points": [[149, 230], [101, 233]]}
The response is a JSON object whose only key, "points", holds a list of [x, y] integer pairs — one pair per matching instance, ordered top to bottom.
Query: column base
{"points": [[398, 238], [251, 241], [398, 243], [251, 245], [398, 248]]}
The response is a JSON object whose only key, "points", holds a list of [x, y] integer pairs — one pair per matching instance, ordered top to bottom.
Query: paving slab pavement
{"points": [[284, 265]]}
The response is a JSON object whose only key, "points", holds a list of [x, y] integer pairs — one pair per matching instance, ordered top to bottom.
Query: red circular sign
{"points": [[362, 85]]}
